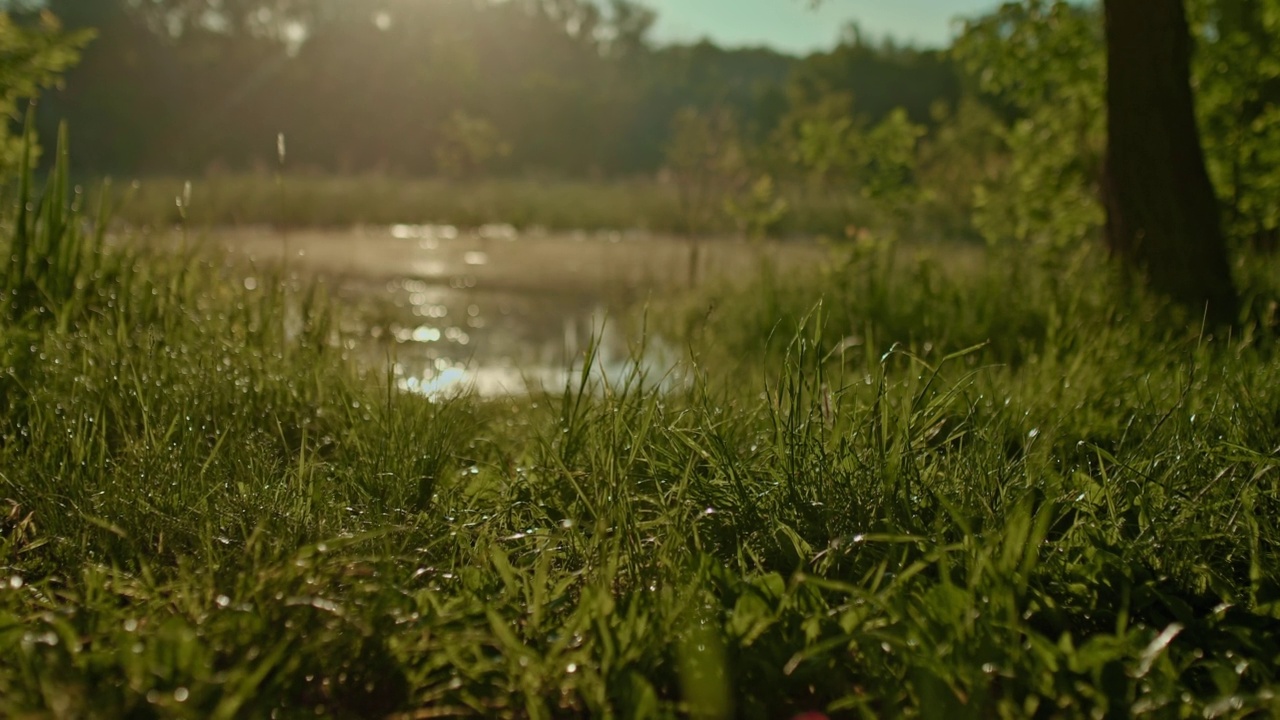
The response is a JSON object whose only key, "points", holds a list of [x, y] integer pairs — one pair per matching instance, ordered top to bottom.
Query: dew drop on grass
{"points": [[15, 582], [130, 625], [46, 638]]}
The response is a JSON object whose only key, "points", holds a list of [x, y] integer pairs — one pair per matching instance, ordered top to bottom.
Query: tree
{"points": [[1162, 216]]}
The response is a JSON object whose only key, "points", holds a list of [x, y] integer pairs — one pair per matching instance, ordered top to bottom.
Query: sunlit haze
{"points": [[796, 26]]}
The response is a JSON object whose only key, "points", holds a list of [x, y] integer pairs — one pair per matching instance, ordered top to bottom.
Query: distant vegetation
{"points": [[410, 87], [557, 92], [998, 137], [528, 203], [886, 487]]}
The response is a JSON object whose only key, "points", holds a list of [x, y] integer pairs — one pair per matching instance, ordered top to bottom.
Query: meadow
{"points": [[309, 200], [887, 490]]}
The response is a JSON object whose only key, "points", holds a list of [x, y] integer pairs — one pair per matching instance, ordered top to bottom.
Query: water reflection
{"points": [[424, 232], [494, 311], [455, 333], [495, 342], [446, 374]]}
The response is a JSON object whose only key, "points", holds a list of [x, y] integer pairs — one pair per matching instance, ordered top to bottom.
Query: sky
{"points": [[795, 26]]}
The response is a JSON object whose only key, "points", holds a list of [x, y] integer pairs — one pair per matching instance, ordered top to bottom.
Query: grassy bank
{"points": [[340, 202], [889, 491]]}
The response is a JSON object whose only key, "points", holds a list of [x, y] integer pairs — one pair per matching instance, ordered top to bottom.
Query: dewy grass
{"points": [[931, 496]]}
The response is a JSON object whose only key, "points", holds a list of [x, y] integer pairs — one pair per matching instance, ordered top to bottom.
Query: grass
{"points": [[302, 200], [888, 491]]}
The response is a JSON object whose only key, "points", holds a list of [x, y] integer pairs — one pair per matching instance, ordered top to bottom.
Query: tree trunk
{"points": [[1162, 216]]}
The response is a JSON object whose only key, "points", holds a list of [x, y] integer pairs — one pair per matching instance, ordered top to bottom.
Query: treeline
{"points": [[561, 87], [999, 137]]}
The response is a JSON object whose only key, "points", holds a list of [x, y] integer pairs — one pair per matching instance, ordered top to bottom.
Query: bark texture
{"points": [[1162, 216]]}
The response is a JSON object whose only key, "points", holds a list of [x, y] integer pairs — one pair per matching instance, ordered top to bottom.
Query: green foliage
{"points": [[32, 57], [1045, 62], [1042, 63], [883, 75], [571, 87], [576, 88], [1238, 98], [821, 138], [468, 144], [965, 151], [840, 153], [888, 158], [706, 164], [647, 204], [758, 210], [51, 254], [886, 491]]}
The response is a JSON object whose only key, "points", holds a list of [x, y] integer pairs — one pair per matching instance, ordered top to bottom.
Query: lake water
{"points": [[496, 311]]}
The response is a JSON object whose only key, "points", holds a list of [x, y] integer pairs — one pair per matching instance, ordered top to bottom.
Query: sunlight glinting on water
{"points": [[424, 232], [497, 311], [494, 344], [488, 381]]}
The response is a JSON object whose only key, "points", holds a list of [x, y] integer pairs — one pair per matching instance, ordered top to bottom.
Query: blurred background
{"points": [[689, 106], [952, 120], [541, 164]]}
